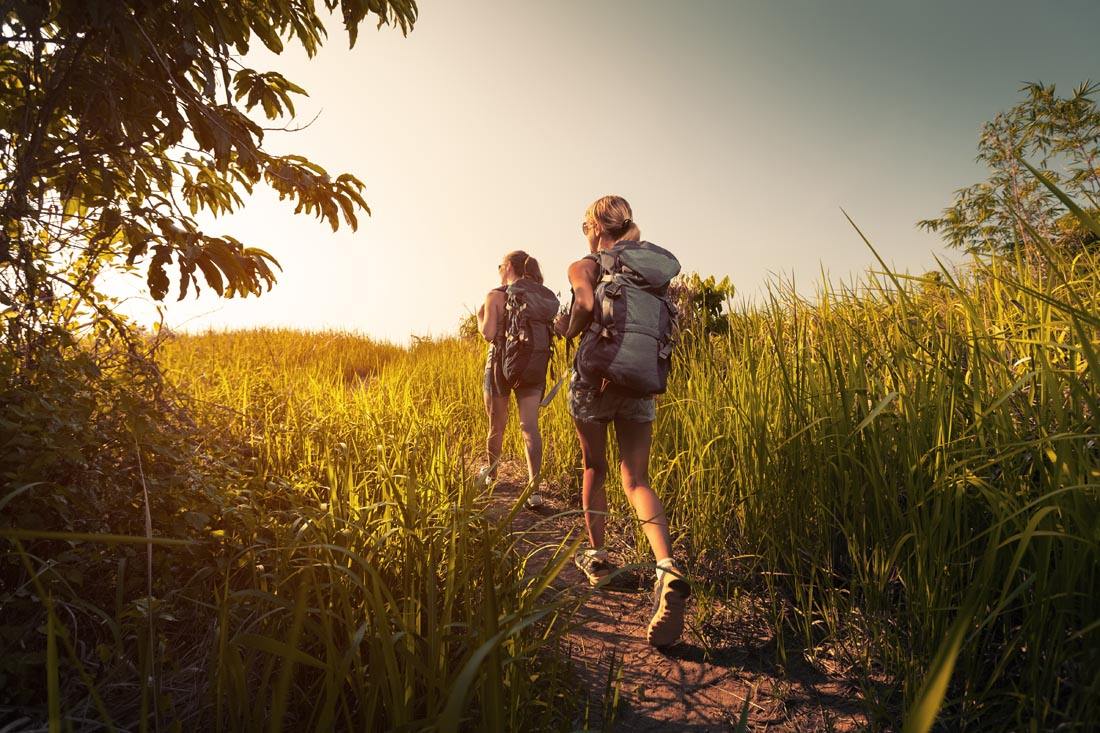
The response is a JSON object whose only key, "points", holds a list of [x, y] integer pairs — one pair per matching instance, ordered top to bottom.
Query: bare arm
{"points": [[582, 278], [488, 315]]}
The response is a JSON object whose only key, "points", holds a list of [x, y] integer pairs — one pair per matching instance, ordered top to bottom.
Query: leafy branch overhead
{"points": [[121, 120], [1063, 135]]}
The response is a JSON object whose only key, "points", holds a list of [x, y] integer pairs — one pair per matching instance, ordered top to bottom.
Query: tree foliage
{"points": [[120, 120], [1062, 136], [703, 304]]}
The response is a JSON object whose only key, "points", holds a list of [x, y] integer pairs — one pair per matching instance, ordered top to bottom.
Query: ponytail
{"points": [[614, 217], [524, 265]]}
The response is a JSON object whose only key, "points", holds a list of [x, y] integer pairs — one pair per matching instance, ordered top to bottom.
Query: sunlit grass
{"points": [[887, 452], [907, 463], [905, 469], [373, 590]]}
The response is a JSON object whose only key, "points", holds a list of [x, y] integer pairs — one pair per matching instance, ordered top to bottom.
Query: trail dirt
{"points": [[726, 660]]}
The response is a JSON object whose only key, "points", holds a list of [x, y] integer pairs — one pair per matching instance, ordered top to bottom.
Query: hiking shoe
{"points": [[485, 476], [534, 501], [594, 564], [670, 594]]}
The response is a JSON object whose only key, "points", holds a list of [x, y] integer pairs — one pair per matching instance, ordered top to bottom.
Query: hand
{"points": [[561, 324]]}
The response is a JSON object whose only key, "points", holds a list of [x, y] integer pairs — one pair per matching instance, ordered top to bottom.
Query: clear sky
{"points": [[737, 130]]}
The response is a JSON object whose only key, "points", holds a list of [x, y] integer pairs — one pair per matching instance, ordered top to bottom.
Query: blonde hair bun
{"points": [[614, 216]]}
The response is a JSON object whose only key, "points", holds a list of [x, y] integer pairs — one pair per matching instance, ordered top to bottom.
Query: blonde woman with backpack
{"points": [[621, 312], [516, 319]]}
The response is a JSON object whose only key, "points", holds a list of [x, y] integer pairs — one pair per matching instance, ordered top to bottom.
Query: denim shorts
{"points": [[588, 404]]}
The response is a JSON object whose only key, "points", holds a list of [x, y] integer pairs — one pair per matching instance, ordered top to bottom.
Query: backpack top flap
{"points": [[653, 265], [542, 304]]}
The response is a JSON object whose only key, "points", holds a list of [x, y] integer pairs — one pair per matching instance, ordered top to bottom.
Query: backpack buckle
{"points": [[603, 332]]}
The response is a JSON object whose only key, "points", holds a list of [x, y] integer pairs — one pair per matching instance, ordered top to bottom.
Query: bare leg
{"points": [[497, 410], [529, 426], [593, 437], [634, 443]]}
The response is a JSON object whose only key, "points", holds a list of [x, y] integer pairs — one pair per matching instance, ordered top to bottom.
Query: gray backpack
{"points": [[529, 309], [629, 343]]}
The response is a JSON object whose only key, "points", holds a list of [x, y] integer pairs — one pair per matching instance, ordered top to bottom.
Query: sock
{"points": [[663, 565]]}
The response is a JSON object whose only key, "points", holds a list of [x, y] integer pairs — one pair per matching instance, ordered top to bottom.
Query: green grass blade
{"points": [[1082, 215], [53, 689], [922, 714]]}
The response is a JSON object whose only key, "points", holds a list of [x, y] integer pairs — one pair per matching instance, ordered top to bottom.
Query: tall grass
{"points": [[889, 450], [907, 467], [346, 574], [374, 591]]}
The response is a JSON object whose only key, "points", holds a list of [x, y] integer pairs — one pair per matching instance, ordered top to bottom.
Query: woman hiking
{"points": [[620, 310], [516, 321]]}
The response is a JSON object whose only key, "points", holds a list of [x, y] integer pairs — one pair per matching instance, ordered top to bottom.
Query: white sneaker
{"points": [[485, 476], [595, 565], [670, 594]]}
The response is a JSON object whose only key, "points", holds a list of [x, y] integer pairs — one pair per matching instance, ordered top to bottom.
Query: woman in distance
{"points": [[516, 321]]}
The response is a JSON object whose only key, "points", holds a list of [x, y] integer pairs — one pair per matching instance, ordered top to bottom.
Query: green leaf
{"points": [[1080, 213], [210, 271], [882, 405], [107, 539], [279, 649], [53, 687], [922, 714], [451, 718]]}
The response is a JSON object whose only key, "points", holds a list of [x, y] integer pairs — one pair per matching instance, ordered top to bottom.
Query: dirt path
{"points": [[725, 657]]}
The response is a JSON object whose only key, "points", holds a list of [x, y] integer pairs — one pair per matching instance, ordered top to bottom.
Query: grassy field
{"points": [[913, 466], [906, 469], [373, 556], [341, 571]]}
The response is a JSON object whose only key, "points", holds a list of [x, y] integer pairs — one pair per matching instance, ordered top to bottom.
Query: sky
{"points": [[737, 130]]}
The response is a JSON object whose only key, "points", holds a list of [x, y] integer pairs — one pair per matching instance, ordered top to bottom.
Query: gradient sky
{"points": [[737, 130]]}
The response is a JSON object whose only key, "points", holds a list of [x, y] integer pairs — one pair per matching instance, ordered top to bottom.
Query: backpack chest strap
{"points": [[606, 331]]}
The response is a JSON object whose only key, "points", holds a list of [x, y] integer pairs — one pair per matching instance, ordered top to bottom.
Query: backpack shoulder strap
{"points": [[594, 257], [607, 260]]}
